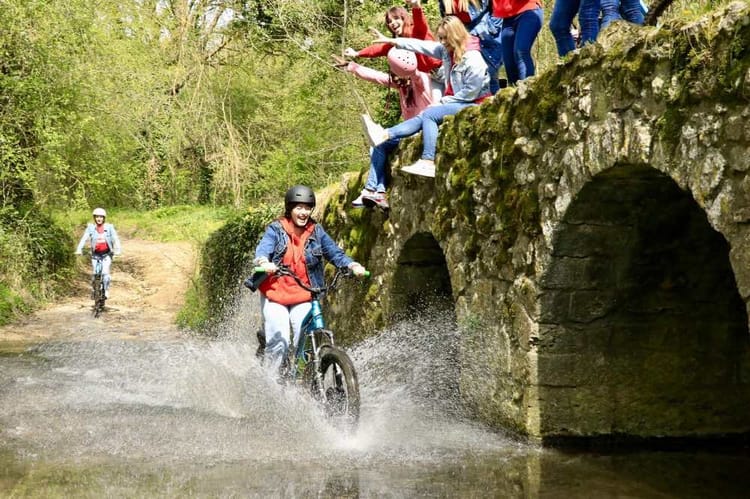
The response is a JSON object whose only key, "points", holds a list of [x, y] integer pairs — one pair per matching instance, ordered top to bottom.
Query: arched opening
{"points": [[422, 281], [423, 317], [643, 332]]}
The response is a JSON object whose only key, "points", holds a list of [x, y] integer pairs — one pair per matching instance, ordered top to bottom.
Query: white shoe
{"points": [[375, 133], [423, 167], [379, 199], [358, 203]]}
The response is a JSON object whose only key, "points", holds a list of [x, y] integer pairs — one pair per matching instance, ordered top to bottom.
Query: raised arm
{"points": [[421, 28], [427, 47], [369, 74]]}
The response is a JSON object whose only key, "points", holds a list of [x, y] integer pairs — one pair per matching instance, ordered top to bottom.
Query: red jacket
{"points": [[510, 8], [420, 31], [284, 289]]}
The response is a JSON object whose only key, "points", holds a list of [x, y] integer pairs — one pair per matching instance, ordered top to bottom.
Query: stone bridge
{"points": [[591, 231]]}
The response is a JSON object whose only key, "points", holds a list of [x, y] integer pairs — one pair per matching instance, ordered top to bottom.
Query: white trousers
{"points": [[277, 319]]}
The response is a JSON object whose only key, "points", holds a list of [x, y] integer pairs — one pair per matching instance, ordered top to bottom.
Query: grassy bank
{"points": [[36, 250]]}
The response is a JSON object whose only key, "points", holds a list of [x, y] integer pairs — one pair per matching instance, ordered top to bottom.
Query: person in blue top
{"points": [[476, 16], [104, 242], [301, 244]]}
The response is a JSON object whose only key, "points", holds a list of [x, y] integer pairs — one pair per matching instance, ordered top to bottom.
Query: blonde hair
{"points": [[463, 6], [455, 36]]}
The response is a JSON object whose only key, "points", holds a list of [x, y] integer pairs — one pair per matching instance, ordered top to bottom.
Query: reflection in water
{"points": [[202, 418]]}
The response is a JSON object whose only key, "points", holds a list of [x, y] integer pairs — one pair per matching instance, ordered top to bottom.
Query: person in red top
{"points": [[522, 21], [402, 24], [467, 84], [104, 242], [298, 242]]}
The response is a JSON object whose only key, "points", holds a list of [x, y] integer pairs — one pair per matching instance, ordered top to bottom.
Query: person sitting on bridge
{"points": [[402, 24], [467, 85], [415, 94], [103, 241], [300, 243]]}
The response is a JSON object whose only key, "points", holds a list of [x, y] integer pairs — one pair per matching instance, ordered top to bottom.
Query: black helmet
{"points": [[298, 194]]}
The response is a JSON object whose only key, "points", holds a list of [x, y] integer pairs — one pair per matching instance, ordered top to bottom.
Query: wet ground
{"points": [[128, 406]]}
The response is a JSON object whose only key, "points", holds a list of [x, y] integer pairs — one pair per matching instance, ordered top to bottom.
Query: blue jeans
{"points": [[631, 11], [562, 19], [519, 35], [492, 52], [427, 121], [378, 159], [106, 265]]}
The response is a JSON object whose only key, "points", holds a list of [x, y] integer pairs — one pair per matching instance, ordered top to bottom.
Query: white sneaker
{"points": [[375, 133], [423, 167], [379, 199], [358, 203]]}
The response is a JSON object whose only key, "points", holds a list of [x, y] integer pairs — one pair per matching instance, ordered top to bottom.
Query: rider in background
{"points": [[103, 240], [300, 243]]}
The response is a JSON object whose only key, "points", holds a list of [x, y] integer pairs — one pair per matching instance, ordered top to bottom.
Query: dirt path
{"points": [[148, 287]]}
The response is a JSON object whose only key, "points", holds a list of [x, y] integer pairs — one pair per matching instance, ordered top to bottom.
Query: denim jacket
{"points": [[481, 24], [468, 77], [110, 235], [319, 245]]}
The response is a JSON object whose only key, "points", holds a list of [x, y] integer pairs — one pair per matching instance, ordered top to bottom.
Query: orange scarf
{"points": [[284, 289]]}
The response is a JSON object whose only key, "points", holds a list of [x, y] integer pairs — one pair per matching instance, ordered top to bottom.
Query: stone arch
{"points": [[626, 128], [421, 277], [642, 330]]}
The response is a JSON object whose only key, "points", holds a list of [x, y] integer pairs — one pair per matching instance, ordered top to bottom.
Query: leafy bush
{"points": [[36, 259], [225, 262]]}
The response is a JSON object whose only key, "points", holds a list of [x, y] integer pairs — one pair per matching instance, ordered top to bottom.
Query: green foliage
{"points": [[159, 105], [36, 255], [225, 262]]}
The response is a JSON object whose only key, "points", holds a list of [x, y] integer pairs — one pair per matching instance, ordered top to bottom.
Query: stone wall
{"points": [[592, 228]]}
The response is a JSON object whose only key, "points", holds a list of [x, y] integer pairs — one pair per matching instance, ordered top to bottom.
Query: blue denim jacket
{"points": [[468, 77], [110, 235], [318, 246]]}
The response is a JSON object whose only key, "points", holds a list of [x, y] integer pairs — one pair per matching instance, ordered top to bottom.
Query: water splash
{"points": [[190, 398], [197, 417]]}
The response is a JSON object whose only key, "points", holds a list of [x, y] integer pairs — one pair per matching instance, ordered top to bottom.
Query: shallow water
{"points": [[91, 417]]}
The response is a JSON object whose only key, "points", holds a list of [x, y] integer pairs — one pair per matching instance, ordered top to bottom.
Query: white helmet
{"points": [[99, 212]]}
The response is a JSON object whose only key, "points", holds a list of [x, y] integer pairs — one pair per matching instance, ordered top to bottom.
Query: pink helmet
{"points": [[403, 63]]}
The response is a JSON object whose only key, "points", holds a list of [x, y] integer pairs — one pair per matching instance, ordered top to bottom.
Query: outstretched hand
{"points": [[413, 3], [380, 37], [350, 53], [339, 62]]}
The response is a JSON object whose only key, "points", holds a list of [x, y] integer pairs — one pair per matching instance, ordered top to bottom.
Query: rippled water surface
{"points": [[198, 418]]}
